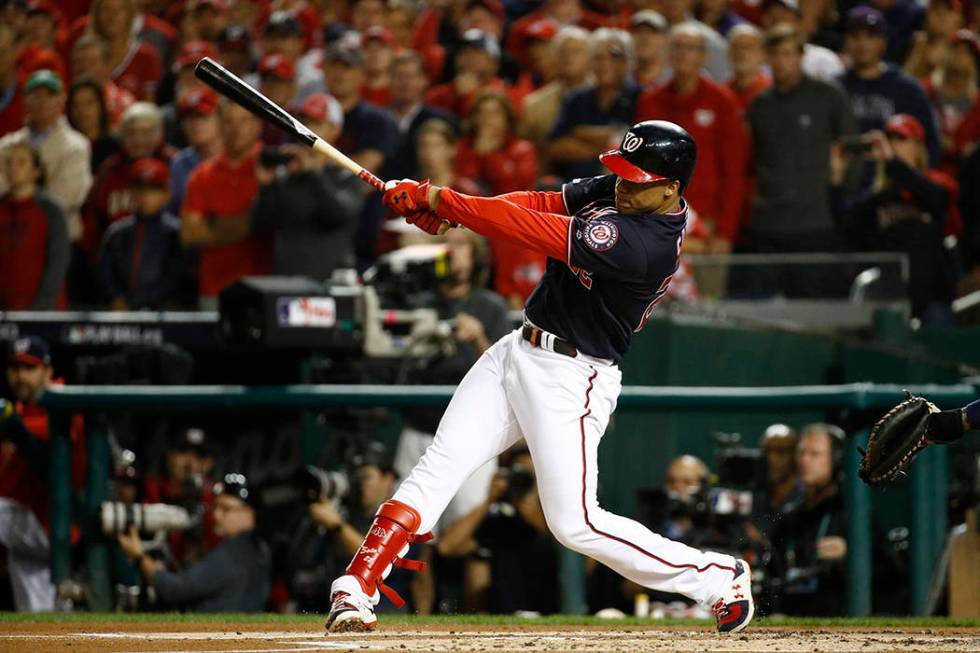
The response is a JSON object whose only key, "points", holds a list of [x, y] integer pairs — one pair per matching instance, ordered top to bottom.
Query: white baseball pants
{"points": [[560, 406], [28, 557]]}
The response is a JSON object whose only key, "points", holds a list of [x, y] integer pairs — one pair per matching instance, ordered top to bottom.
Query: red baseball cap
{"points": [[42, 7], [542, 30], [378, 33], [193, 51], [276, 65], [200, 102], [320, 107], [906, 126], [149, 172]]}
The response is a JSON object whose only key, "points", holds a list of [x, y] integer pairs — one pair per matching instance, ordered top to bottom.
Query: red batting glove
{"points": [[407, 196], [429, 222]]}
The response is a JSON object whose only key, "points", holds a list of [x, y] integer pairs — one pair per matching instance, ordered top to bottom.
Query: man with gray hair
{"points": [[649, 31], [715, 45], [747, 53], [572, 68], [594, 118], [141, 135], [64, 152], [310, 202]]}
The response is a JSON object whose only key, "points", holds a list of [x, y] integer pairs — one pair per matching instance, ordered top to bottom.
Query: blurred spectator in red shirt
{"points": [[561, 12], [207, 18], [649, 31], [283, 35], [378, 46], [929, 46], [570, 50], [747, 50], [235, 53], [90, 58], [818, 61], [477, 62], [134, 65], [952, 89], [11, 94], [87, 112], [410, 113], [711, 114], [594, 118], [199, 122], [141, 135], [64, 152], [491, 154], [215, 215], [34, 245], [140, 258]]}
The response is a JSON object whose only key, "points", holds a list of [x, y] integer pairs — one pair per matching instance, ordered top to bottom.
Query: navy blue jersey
{"points": [[618, 269]]}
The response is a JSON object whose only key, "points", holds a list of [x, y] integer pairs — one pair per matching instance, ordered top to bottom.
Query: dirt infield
{"points": [[108, 637]]}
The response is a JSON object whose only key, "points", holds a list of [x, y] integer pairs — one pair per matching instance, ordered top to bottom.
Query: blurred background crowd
{"points": [[821, 127]]}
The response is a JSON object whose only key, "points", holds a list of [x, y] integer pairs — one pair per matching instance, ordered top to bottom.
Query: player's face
{"points": [[633, 198], [28, 381]]}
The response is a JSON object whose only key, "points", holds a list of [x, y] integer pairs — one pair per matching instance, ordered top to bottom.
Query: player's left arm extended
{"points": [[497, 217]]}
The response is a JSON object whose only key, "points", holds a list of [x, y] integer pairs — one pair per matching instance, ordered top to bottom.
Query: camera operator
{"points": [[314, 206], [481, 318], [373, 482], [782, 484], [809, 550], [511, 555], [232, 577]]}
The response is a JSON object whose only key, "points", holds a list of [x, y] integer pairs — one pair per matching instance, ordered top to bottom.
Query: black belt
{"points": [[536, 337]]}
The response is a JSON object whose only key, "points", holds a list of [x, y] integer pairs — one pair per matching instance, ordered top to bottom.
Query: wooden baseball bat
{"points": [[232, 87]]}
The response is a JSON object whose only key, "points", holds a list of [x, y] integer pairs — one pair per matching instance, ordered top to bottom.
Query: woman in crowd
{"points": [[929, 45], [135, 65], [952, 89], [88, 114], [492, 155], [33, 237]]}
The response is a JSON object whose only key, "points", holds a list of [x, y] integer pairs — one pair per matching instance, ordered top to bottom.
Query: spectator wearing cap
{"points": [[560, 12], [717, 15], [488, 16], [207, 18], [903, 18], [44, 29], [649, 31], [283, 35], [930, 44], [715, 45], [378, 46], [747, 50], [570, 51], [235, 53], [541, 57], [90, 58], [818, 61], [477, 64], [134, 65], [277, 76], [180, 81], [11, 89], [952, 89], [879, 90], [198, 112], [410, 112], [710, 112], [88, 113], [594, 117], [370, 134], [141, 135], [64, 152], [312, 208], [906, 210], [791, 211], [215, 214], [34, 244], [140, 259], [24, 467], [233, 576]]}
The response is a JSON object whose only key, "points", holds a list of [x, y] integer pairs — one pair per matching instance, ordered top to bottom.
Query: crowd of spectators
{"points": [[821, 127]]}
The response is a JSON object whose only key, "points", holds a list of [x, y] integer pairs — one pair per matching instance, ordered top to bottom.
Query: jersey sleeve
{"points": [[579, 193], [607, 246]]}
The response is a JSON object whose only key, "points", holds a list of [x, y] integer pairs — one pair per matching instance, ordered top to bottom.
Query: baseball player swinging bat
{"points": [[235, 89]]}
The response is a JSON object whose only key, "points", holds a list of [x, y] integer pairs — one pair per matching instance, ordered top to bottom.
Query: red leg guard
{"points": [[392, 530]]}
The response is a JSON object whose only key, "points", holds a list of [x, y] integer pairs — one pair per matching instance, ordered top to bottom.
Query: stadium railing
{"points": [[929, 474]]}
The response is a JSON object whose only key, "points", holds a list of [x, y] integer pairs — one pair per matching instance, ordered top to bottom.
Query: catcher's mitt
{"points": [[895, 440]]}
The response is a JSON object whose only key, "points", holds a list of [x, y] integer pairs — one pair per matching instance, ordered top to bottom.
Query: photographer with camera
{"points": [[311, 203], [24, 466], [782, 484], [511, 562], [232, 577]]}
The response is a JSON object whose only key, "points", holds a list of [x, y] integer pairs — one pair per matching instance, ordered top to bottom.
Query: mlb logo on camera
{"points": [[600, 235], [307, 311]]}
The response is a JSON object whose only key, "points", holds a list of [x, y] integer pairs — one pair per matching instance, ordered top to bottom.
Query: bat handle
{"points": [[342, 159], [371, 179]]}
